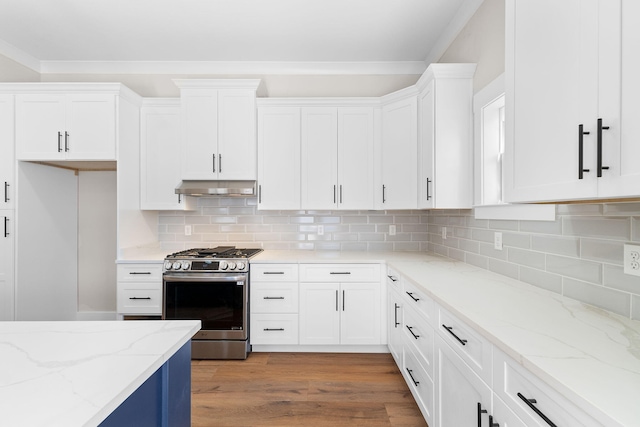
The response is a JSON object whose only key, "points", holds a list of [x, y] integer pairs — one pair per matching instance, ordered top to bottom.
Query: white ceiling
{"points": [[69, 35]]}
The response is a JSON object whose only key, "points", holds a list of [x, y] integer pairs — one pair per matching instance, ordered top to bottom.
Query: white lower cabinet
{"points": [[7, 253], [139, 289], [273, 304], [420, 383]]}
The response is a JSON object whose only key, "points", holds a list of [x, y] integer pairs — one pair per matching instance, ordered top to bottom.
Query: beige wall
{"points": [[481, 41], [11, 71]]}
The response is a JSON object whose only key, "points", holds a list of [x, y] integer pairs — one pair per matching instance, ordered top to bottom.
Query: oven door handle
{"points": [[187, 277]]}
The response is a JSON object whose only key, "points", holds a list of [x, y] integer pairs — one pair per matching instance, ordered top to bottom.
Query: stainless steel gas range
{"points": [[210, 285]]}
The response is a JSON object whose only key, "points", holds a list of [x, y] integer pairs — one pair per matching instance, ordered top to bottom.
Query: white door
{"points": [[551, 88], [40, 127], [90, 127], [399, 155], [7, 157], [237, 157], [279, 158], [355, 158], [199, 159], [319, 165], [7, 289], [319, 313], [360, 313], [459, 390]]}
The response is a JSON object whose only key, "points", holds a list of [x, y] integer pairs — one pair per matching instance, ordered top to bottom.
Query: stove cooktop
{"points": [[219, 252], [205, 260]]}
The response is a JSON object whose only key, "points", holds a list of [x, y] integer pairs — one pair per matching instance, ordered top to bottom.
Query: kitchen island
{"points": [[88, 373]]}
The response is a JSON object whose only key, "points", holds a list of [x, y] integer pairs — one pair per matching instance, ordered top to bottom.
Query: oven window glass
{"points": [[218, 305]]}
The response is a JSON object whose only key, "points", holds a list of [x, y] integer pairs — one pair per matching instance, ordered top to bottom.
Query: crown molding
{"points": [[20, 56], [232, 67]]}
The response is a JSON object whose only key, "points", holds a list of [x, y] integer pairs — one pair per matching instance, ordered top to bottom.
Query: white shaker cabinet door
{"points": [[40, 127], [91, 127], [199, 135], [237, 151], [7, 156], [7, 251], [319, 313], [360, 313]]}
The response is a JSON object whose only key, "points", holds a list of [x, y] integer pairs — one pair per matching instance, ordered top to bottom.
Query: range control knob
{"points": [[167, 265], [177, 265], [186, 265], [223, 265], [232, 265], [241, 265]]}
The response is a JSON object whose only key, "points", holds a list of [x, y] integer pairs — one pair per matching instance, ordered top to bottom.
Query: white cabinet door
{"points": [[40, 127], [90, 127], [199, 135], [426, 135], [159, 146], [237, 150], [399, 155], [7, 156], [279, 158], [319, 158], [355, 158], [7, 251], [319, 313], [360, 313], [395, 324], [459, 390]]}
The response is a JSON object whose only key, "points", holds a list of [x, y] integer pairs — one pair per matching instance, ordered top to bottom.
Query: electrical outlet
{"points": [[187, 230], [320, 230], [392, 230], [444, 233], [497, 240], [632, 260]]}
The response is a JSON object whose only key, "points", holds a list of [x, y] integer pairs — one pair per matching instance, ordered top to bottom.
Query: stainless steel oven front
{"points": [[219, 301]]}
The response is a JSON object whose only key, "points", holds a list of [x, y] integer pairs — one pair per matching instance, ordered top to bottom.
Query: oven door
{"points": [[218, 300]]}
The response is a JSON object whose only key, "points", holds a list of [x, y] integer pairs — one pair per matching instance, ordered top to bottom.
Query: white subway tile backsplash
{"points": [[624, 209], [541, 227], [605, 227], [569, 246], [608, 251], [527, 258], [504, 268], [575, 268], [614, 277], [541, 279], [599, 296], [635, 307]]}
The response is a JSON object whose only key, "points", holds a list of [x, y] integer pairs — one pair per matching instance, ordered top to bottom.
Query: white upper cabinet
{"points": [[571, 85], [78, 126], [218, 129], [159, 145], [445, 147], [399, 150], [7, 157], [278, 157], [319, 165]]}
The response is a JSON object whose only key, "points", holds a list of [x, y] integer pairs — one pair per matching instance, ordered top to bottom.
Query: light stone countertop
{"points": [[269, 257], [76, 373]]}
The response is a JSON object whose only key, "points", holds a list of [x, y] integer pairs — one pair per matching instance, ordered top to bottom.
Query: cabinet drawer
{"points": [[274, 272], [139, 273], [340, 273], [394, 280], [274, 297], [417, 299], [140, 300], [275, 329], [419, 335], [472, 348], [512, 381], [420, 384]]}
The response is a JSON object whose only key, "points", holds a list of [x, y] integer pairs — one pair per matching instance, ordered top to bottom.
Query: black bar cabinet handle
{"points": [[600, 129], [581, 134], [66, 141], [59, 142], [214, 162], [220, 163], [6, 191], [259, 193], [340, 193], [334, 194], [428, 195], [383, 198], [6, 226], [139, 272], [273, 272], [340, 272], [393, 279], [412, 297], [140, 298], [273, 298], [337, 300], [395, 315], [410, 328], [273, 329], [449, 329], [409, 371], [530, 404], [480, 412], [491, 423]]}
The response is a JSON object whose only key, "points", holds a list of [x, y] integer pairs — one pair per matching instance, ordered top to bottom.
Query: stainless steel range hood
{"points": [[217, 188]]}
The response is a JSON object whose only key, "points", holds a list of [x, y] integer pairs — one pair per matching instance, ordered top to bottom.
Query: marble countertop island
{"points": [[76, 373]]}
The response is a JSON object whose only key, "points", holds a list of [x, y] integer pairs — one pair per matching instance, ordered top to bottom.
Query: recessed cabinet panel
{"points": [[91, 127], [200, 135], [46, 140], [237, 150], [355, 158], [270, 297], [319, 313], [360, 313]]}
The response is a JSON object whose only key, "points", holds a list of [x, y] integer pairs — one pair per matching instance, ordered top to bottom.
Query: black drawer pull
{"points": [[6, 192], [6, 226], [139, 272], [273, 272], [340, 272], [393, 279], [412, 297], [139, 298], [273, 298], [395, 315], [410, 328], [273, 329], [449, 329], [409, 371], [530, 404], [480, 412]]}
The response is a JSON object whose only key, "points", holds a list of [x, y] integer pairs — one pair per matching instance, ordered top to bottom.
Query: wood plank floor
{"points": [[302, 389]]}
